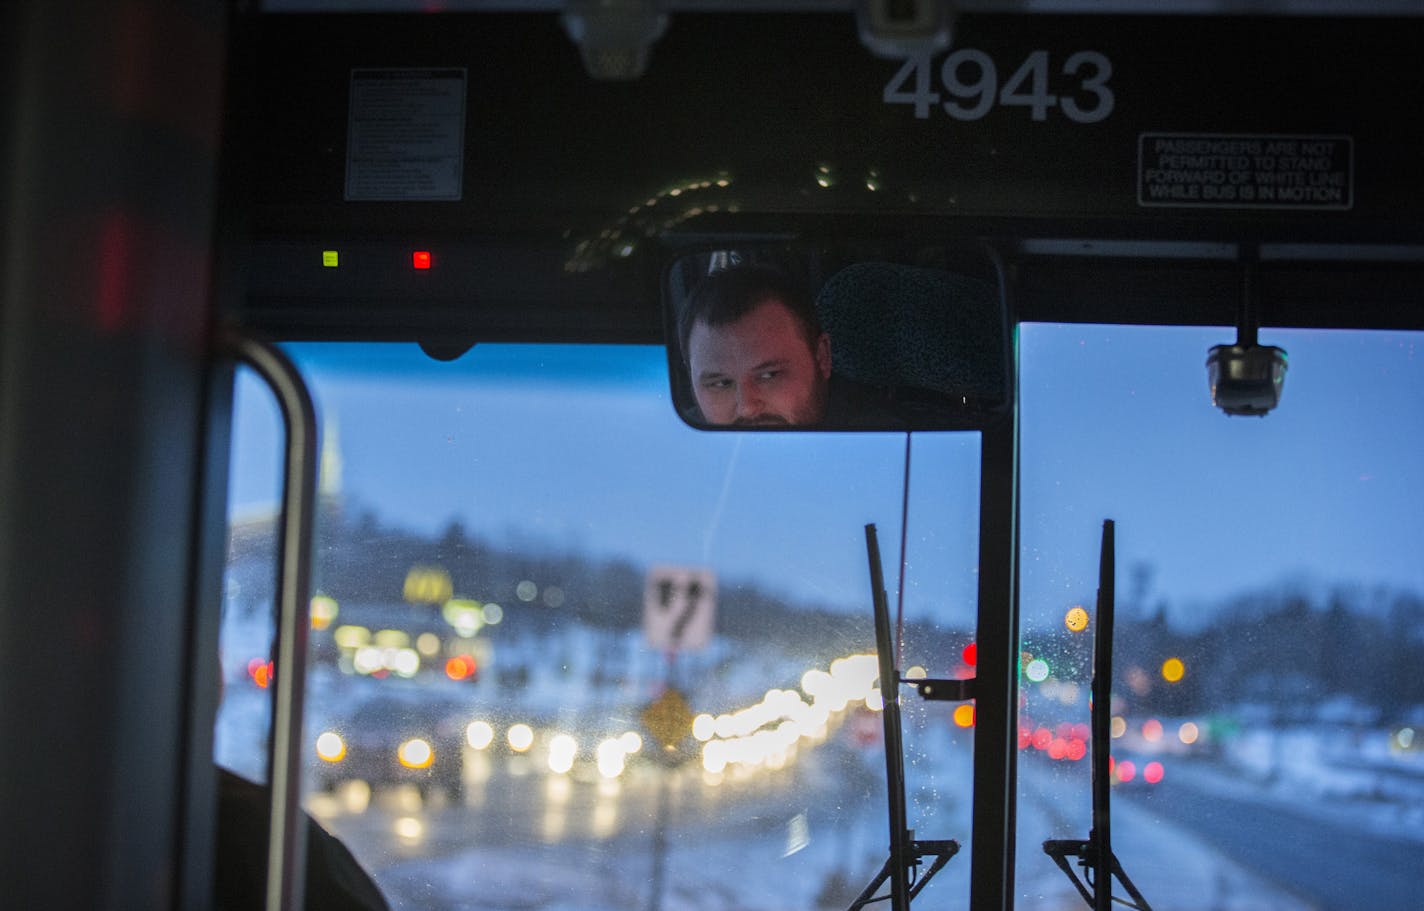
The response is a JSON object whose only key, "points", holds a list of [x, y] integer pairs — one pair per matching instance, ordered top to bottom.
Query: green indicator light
{"points": [[329, 259]]}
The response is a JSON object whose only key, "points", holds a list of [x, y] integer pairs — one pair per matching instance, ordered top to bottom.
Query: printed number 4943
{"points": [[971, 80]]}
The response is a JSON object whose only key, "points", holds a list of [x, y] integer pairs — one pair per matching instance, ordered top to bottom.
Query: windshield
{"points": [[1270, 615], [631, 628], [652, 647]]}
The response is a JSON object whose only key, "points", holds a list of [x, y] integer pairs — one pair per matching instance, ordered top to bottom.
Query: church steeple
{"points": [[329, 478]]}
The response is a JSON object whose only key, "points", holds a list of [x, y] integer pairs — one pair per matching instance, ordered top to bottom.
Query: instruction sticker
{"points": [[405, 138], [1244, 171]]}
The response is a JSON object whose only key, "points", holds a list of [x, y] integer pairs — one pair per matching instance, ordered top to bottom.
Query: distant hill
{"points": [[363, 561], [1287, 650]]}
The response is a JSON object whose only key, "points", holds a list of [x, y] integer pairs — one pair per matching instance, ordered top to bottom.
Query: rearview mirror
{"points": [[854, 336]]}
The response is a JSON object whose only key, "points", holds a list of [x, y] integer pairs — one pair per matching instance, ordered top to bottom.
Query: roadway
{"points": [[1188, 843], [1332, 865]]}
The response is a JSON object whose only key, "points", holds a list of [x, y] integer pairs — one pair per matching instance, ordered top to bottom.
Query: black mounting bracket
{"points": [[940, 690], [940, 850], [1087, 857]]}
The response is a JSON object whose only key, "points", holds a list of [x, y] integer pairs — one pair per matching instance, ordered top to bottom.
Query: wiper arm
{"points": [[906, 853], [1095, 855]]}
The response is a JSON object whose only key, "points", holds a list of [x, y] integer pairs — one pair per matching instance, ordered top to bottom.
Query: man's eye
{"points": [[768, 375], [717, 384]]}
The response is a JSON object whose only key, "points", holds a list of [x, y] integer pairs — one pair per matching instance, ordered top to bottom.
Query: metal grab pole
{"points": [[286, 853]]}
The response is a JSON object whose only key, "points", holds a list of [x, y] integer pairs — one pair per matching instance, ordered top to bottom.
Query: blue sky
{"points": [[579, 448], [1328, 488]]}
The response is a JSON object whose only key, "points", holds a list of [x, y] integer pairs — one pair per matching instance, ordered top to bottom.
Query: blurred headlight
{"points": [[479, 734], [520, 737], [331, 747], [562, 750], [415, 754], [612, 758]]}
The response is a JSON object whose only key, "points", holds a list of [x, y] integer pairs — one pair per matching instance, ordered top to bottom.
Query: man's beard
{"points": [[762, 420]]}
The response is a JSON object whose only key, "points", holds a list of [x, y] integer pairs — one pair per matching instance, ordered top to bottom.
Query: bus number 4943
{"points": [[971, 80]]}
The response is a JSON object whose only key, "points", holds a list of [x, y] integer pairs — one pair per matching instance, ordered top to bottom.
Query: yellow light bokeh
{"points": [[428, 585], [323, 610], [1076, 619], [351, 637], [1173, 670], [331, 747], [416, 754], [408, 828]]}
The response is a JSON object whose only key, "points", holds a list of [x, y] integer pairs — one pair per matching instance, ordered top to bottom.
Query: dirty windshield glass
{"points": [[568, 653], [1267, 711]]}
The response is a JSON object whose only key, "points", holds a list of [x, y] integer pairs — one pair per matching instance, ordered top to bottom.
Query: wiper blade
{"points": [[906, 853], [1095, 855]]}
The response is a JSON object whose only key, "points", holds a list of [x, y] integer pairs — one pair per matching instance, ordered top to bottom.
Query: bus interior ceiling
{"points": [[175, 172]]}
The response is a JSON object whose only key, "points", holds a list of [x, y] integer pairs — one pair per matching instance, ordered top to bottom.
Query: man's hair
{"points": [[728, 295]]}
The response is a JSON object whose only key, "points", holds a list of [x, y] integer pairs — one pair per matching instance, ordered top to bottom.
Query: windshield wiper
{"points": [[1095, 855], [901, 868]]}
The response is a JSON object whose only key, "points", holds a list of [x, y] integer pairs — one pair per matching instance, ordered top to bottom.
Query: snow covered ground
{"points": [[1340, 776], [816, 841]]}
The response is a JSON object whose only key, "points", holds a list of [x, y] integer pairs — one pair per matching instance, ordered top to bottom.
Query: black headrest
{"points": [[898, 327]]}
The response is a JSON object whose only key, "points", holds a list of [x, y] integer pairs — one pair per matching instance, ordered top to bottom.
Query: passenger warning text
{"points": [[1228, 171]]}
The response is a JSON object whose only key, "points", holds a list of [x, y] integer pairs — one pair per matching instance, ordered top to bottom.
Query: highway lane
{"points": [[792, 837], [1333, 865], [1175, 867]]}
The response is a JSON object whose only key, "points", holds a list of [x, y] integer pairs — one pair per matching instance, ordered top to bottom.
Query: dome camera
{"points": [[900, 29], [1246, 379]]}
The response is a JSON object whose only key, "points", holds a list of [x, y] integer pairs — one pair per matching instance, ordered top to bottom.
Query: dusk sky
{"points": [[585, 453]]}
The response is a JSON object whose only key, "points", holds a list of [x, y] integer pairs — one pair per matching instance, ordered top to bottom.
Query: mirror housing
{"points": [[845, 336]]}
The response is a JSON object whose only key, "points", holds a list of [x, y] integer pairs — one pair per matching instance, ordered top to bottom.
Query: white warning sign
{"points": [[405, 136], [1245, 171], [679, 603]]}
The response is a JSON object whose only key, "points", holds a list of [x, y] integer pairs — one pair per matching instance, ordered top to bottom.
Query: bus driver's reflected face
{"points": [[759, 370]]}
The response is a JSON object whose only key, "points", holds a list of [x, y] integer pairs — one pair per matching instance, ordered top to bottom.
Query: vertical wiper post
{"points": [[906, 852], [1095, 855]]}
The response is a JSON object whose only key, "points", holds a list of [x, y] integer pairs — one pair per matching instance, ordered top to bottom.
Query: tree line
{"points": [[1287, 650]]}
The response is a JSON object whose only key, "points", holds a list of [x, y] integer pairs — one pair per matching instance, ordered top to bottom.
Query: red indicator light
{"points": [[420, 259], [1153, 772]]}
